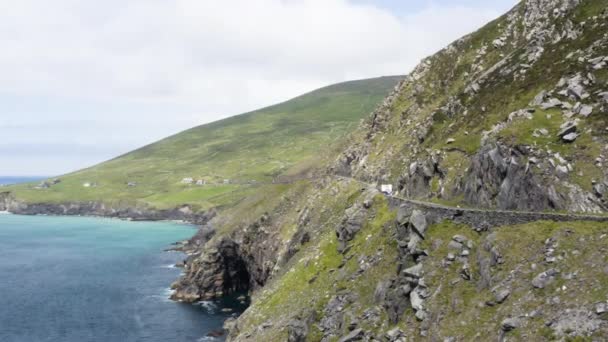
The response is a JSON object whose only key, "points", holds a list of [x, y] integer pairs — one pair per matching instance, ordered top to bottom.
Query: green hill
{"points": [[246, 149]]}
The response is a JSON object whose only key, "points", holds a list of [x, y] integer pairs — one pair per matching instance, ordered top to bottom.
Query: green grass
{"points": [[287, 138]]}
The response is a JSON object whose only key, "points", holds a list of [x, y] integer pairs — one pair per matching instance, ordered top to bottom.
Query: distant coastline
{"points": [[8, 180]]}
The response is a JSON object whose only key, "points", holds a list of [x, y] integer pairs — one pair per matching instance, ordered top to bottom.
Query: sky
{"points": [[85, 81]]}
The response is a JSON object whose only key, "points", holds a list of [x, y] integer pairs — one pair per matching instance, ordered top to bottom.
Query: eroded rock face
{"points": [[498, 177], [229, 264], [219, 271]]}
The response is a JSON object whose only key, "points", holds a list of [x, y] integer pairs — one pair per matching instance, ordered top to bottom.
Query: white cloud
{"points": [[200, 60]]}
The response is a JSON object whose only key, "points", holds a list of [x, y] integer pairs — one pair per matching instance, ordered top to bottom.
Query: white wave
{"points": [[5, 213], [169, 266], [168, 292], [164, 296], [211, 307], [207, 338]]}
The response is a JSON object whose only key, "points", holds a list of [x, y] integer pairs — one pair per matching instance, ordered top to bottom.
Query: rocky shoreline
{"points": [[98, 209]]}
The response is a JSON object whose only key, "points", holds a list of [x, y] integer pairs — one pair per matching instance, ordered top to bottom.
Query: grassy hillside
{"points": [[250, 148]]}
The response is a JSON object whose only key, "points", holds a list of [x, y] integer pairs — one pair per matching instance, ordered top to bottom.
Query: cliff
{"points": [[497, 147]]}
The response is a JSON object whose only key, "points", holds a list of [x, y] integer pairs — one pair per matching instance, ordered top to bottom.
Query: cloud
{"points": [[175, 64]]}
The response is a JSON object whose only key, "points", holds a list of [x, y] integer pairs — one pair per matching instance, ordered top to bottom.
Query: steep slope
{"points": [[518, 108], [486, 123], [246, 149]]}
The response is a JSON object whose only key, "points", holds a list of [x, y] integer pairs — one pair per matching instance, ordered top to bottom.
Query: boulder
{"points": [[551, 103], [585, 110], [567, 128], [570, 137], [562, 171], [403, 215], [418, 222], [414, 271], [544, 278], [502, 295], [416, 300], [601, 308], [510, 324]]}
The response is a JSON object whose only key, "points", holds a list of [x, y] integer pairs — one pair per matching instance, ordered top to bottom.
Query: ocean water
{"points": [[6, 180], [81, 279]]}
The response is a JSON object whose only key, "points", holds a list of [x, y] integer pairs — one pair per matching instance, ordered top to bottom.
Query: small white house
{"points": [[188, 180], [226, 181], [200, 182], [86, 185], [386, 188]]}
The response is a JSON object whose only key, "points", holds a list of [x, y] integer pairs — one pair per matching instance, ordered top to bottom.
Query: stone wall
{"points": [[484, 219]]}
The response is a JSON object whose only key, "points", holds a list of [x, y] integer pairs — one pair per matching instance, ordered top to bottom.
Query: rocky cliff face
{"points": [[512, 117]]}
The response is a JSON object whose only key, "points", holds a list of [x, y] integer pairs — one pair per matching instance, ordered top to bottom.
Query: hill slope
{"points": [[486, 123], [255, 147]]}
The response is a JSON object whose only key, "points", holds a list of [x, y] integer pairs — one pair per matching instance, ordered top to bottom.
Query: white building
{"points": [[188, 180], [200, 182], [387, 189]]}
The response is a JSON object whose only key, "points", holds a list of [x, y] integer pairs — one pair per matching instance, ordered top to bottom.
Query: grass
{"points": [[256, 146]]}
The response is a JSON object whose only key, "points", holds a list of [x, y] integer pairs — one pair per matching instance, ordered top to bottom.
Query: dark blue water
{"points": [[6, 180], [87, 279]]}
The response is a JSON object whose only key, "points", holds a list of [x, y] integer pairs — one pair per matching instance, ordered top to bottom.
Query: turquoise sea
{"points": [[6, 180], [81, 279]]}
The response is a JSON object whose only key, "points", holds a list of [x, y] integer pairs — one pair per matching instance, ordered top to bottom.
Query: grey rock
{"points": [[577, 91], [539, 99], [551, 103], [585, 110], [567, 128], [570, 137], [562, 171], [599, 190], [403, 215], [418, 222], [459, 238], [454, 245], [414, 271], [465, 272], [544, 278], [502, 295], [416, 300], [601, 308], [421, 315], [575, 322], [510, 324], [297, 331], [394, 334], [355, 335]]}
